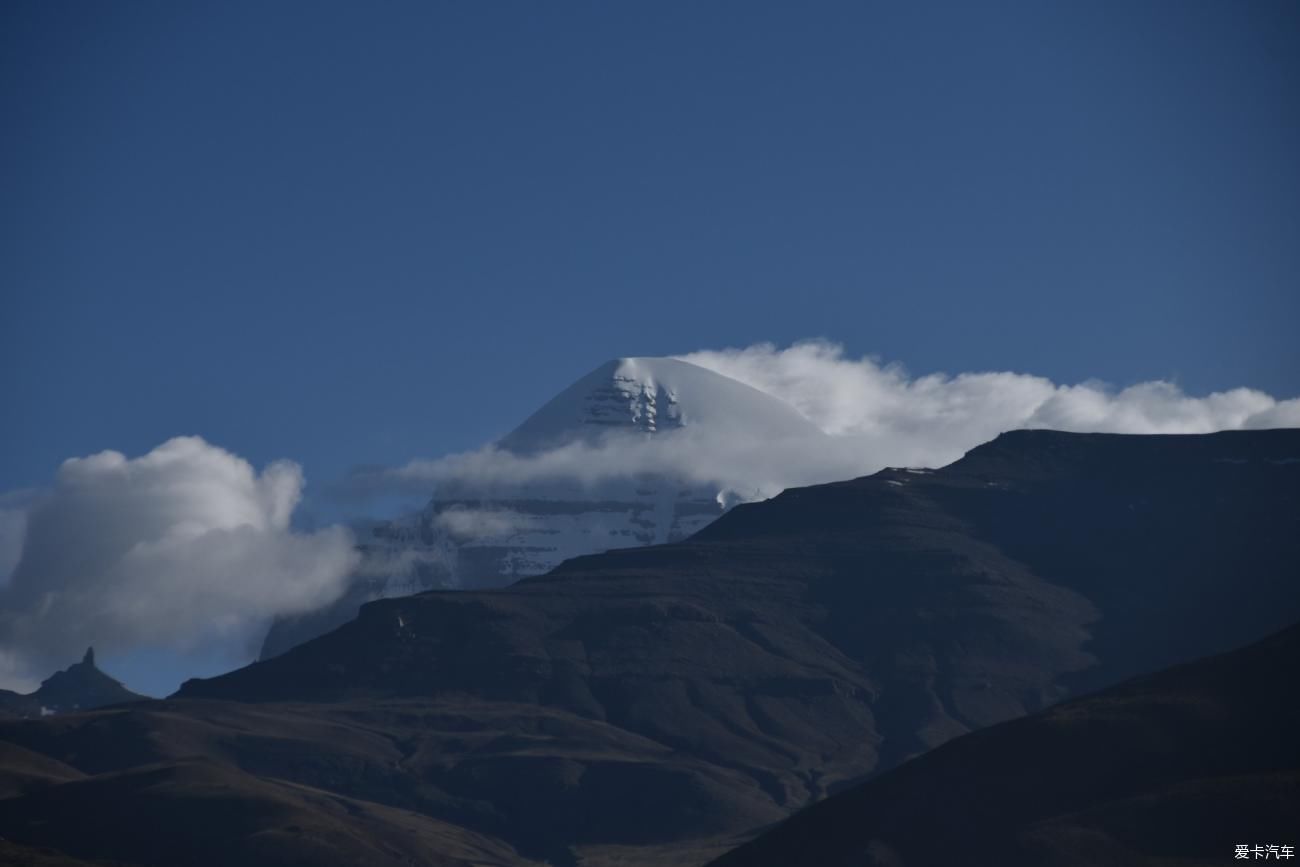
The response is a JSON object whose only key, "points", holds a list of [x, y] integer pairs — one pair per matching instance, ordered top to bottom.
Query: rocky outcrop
{"points": [[81, 686]]}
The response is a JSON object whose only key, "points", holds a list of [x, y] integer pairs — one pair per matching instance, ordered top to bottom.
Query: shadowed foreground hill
{"points": [[657, 705], [1174, 768], [203, 812]]}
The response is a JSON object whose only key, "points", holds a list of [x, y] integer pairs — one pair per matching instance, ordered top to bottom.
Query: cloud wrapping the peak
{"points": [[183, 546]]}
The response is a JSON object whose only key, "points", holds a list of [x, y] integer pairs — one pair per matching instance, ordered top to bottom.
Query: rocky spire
{"points": [[89, 658]]}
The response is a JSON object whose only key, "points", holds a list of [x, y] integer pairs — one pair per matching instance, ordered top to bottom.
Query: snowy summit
{"points": [[652, 395]]}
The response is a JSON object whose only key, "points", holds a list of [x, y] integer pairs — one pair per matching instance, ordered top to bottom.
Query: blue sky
{"points": [[350, 233], [353, 233]]}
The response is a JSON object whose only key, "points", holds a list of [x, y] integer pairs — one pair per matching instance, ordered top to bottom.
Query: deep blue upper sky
{"points": [[359, 232]]}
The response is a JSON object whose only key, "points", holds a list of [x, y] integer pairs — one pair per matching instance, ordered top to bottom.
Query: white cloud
{"points": [[845, 395], [932, 420], [753, 464], [470, 523], [183, 547]]}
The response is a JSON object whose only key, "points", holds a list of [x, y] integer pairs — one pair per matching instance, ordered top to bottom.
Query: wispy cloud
{"points": [[467, 523]]}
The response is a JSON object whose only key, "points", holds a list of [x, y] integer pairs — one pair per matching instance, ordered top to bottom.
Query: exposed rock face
{"points": [[486, 532], [660, 704]]}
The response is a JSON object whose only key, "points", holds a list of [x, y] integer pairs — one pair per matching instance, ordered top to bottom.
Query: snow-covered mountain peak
{"points": [[649, 395]]}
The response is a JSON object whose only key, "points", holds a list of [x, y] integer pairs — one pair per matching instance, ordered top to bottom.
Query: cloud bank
{"points": [[872, 415], [932, 420], [183, 547]]}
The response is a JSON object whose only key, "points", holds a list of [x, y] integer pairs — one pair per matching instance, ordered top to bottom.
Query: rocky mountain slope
{"points": [[485, 530], [659, 705], [1179, 767]]}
